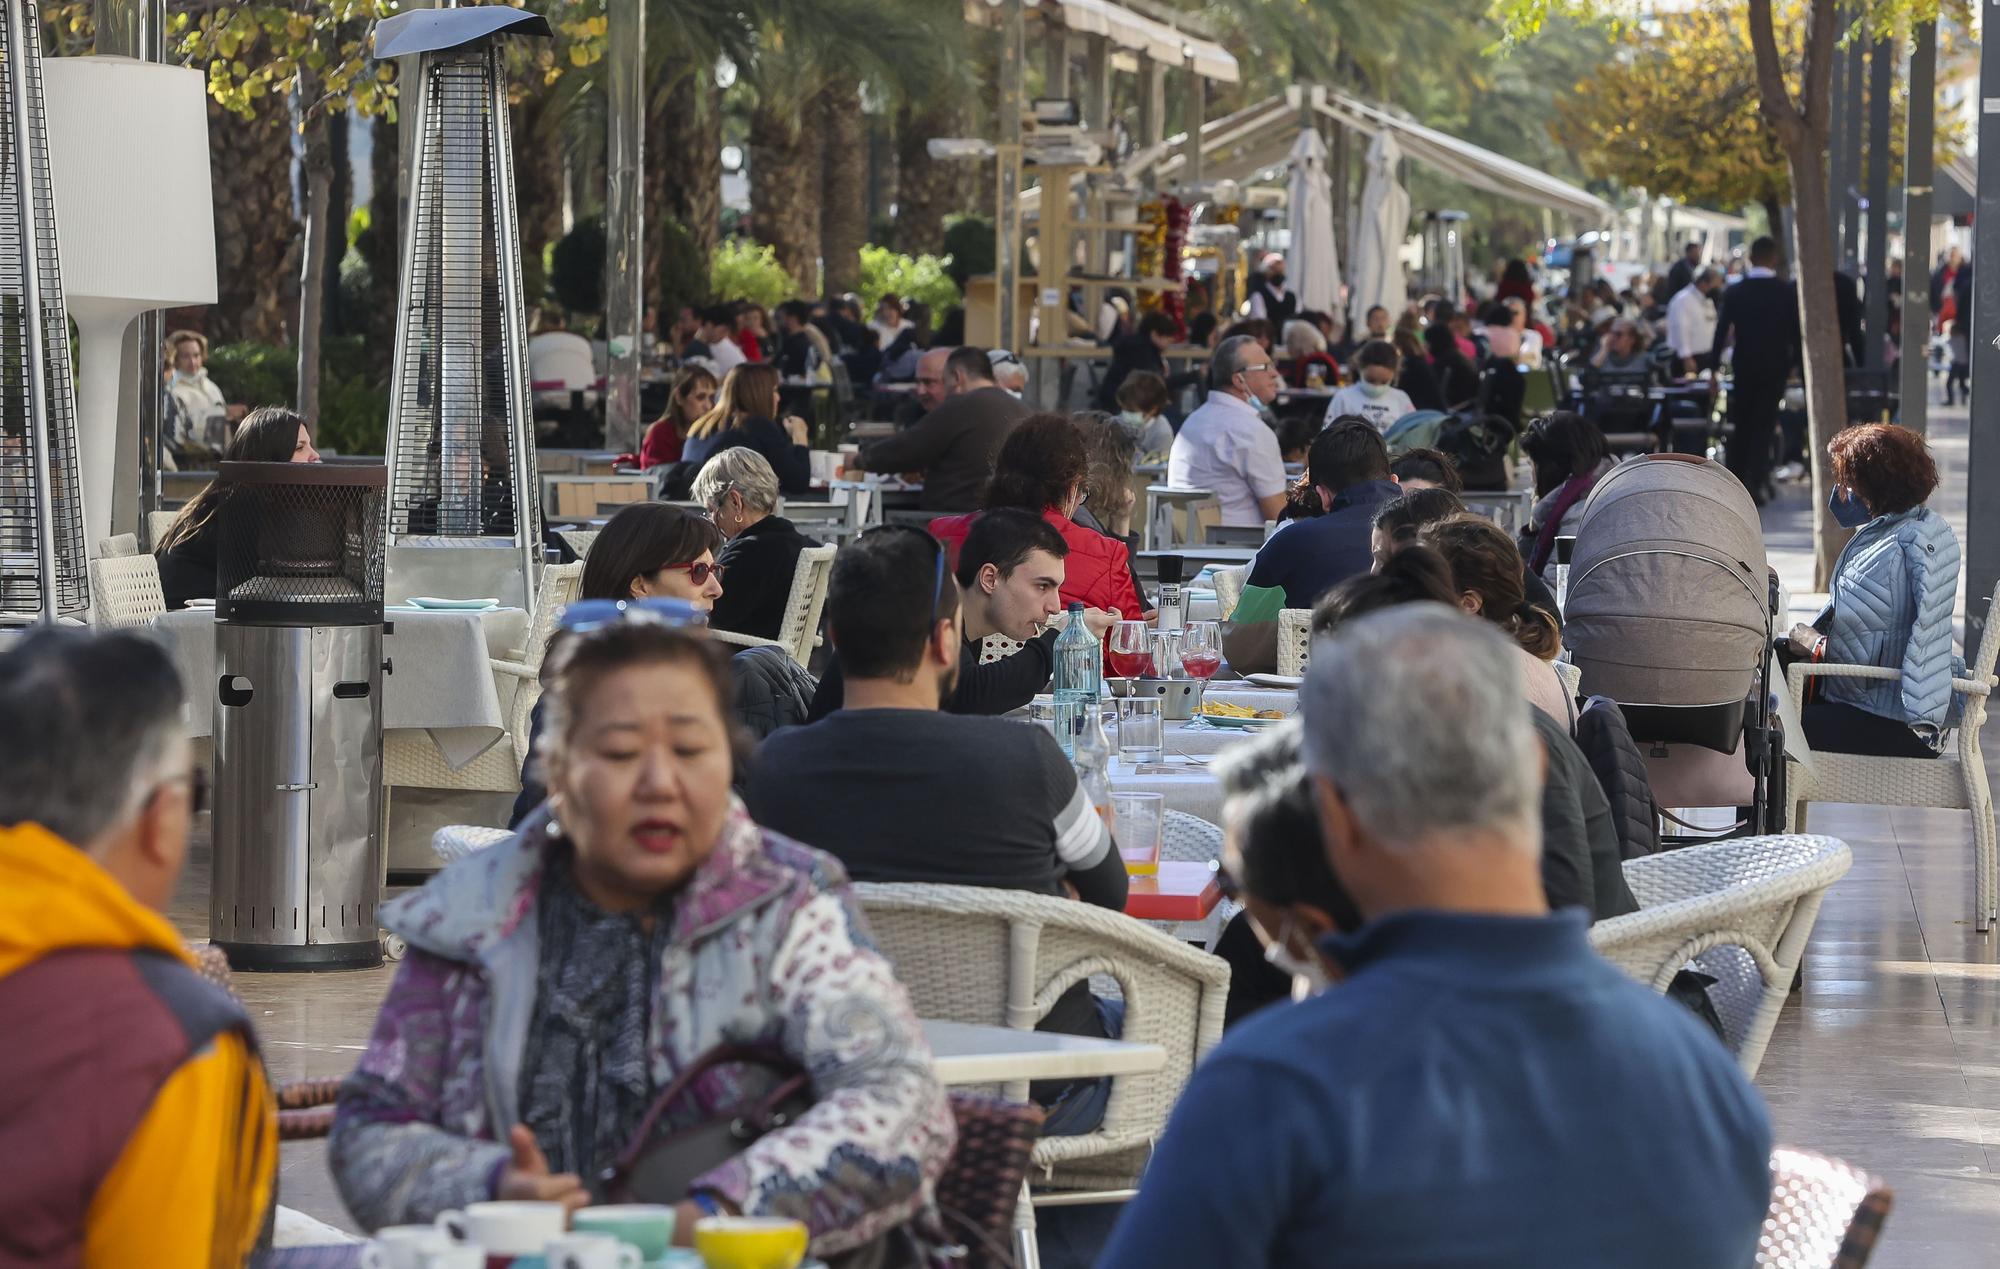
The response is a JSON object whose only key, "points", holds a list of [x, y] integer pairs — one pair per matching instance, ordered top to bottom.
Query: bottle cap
{"points": [[1170, 569]]}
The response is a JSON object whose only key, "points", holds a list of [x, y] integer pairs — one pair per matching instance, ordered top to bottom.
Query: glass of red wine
{"points": [[1130, 650], [1201, 655]]}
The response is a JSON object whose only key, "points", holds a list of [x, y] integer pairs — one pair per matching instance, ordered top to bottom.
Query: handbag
{"points": [[681, 1139]]}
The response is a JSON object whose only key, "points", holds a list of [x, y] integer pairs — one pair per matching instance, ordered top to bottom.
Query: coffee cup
{"points": [[646, 1226], [505, 1229], [402, 1246], [591, 1251], [453, 1256]]}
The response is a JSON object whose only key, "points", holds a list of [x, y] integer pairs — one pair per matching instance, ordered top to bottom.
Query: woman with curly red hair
{"points": [[1889, 605]]}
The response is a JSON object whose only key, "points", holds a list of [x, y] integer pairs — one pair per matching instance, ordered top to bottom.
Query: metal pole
{"points": [[137, 28], [1881, 82], [1152, 113], [1197, 116], [30, 163], [1917, 177], [1007, 181], [1850, 202], [624, 219], [1982, 515]]}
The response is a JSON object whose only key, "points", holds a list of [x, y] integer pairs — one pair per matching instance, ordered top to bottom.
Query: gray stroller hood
{"points": [[1668, 598]]}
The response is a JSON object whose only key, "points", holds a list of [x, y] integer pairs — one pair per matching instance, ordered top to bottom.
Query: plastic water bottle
{"points": [[1079, 677]]}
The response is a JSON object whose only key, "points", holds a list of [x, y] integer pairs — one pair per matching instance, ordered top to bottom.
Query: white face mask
{"points": [[182, 376], [1375, 391], [1132, 418], [1309, 977]]}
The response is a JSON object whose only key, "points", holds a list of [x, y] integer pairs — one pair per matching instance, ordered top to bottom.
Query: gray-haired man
{"points": [[1226, 445], [1482, 1088]]}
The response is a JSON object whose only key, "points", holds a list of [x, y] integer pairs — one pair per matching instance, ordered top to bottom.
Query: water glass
{"points": [[1141, 732], [1142, 821]]}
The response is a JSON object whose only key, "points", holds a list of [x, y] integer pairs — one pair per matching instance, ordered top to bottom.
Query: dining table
{"points": [[1181, 890]]}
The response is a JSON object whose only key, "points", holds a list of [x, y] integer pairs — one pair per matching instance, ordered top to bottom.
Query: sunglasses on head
{"points": [[937, 583], [595, 614]]}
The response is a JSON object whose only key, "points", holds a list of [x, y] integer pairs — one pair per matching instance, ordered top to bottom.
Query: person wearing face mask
{"points": [[1269, 300], [1142, 350], [1374, 395], [1142, 408], [202, 415], [1889, 603], [1479, 1066]]}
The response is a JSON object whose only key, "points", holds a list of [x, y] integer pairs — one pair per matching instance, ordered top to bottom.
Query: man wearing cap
{"points": [[1269, 300]]}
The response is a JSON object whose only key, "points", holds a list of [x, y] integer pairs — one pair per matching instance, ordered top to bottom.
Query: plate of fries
{"points": [[1223, 714]]}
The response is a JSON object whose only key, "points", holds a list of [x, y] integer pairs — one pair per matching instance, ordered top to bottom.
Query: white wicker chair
{"points": [[157, 524], [579, 541], [118, 546], [1228, 588], [125, 591], [800, 633], [1294, 640], [411, 759], [1955, 779], [1191, 839], [454, 842], [1740, 910], [1002, 957], [1824, 1213]]}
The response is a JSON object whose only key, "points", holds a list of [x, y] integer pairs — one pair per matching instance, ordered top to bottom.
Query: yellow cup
{"points": [[750, 1242]]}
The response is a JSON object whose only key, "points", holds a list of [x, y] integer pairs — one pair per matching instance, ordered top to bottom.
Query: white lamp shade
{"points": [[128, 157]]}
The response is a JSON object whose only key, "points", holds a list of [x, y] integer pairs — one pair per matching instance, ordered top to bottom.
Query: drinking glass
{"points": [[1131, 654], [1201, 655], [1141, 732], [1141, 826]]}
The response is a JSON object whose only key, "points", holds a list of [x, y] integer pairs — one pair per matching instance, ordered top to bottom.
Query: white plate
{"points": [[200, 603], [467, 605], [1292, 681]]}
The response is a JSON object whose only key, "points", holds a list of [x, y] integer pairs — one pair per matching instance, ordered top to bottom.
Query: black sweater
{"points": [[996, 688]]}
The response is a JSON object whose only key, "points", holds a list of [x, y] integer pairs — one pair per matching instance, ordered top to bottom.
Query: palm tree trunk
{"points": [[537, 136], [318, 167], [785, 179], [684, 180], [926, 188], [844, 198], [256, 237], [381, 247]]}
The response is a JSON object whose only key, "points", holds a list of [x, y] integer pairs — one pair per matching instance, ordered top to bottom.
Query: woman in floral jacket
{"points": [[558, 982]]}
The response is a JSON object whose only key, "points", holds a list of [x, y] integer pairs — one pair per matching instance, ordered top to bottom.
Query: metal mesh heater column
{"points": [[464, 516], [42, 560]]}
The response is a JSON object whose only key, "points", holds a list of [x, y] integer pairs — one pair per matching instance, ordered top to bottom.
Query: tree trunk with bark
{"points": [[1802, 129], [318, 171], [538, 173], [785, 179], [684, 181], [928, 188], [844, 197], [340, 207], [256, 237], [381, 246]]}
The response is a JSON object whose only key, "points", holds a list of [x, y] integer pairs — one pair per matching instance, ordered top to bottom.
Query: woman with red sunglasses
{"points": [[652, 550]]}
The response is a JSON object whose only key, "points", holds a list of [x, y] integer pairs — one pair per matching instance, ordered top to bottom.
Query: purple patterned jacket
{"points": [[767, 947]]}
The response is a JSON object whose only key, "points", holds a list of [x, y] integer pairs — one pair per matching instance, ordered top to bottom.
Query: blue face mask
{"points": [[1849, 512]]}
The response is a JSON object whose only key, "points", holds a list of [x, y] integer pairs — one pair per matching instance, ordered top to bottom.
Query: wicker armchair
{"points": [[157, 524], [579, 541], [118, 546], [1228, 588], [125, 591], [800, 633], [1294, 640], [411, 759], [1955, 779], [1191, 839], [1739, 910], [947, 942], [1824, 1214]]}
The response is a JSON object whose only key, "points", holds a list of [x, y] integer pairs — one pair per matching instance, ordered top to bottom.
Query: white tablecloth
{"points": [[442, 681], [1186, 786]]}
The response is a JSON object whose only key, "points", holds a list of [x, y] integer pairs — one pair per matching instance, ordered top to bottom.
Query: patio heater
{"points": [[1444, 254], [464, 516], [42, 558], [298, 716]]}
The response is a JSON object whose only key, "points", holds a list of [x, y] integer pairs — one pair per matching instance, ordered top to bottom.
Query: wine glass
{"points": [[1130, 650], [1201, 655]]}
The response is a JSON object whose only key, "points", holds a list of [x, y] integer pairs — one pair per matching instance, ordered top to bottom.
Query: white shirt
{"points": [[1691, 322], [726, 355], [561, 360], [1381, 411], [204, 414], [1226, 446]]}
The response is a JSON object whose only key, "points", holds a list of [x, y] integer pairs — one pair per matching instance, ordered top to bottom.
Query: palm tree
{"points": [[257, 240]]}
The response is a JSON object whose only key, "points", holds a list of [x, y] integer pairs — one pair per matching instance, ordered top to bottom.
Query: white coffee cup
{"points": [[506, 1229], [402, 1246], [591, 1251], [453, 1256]]}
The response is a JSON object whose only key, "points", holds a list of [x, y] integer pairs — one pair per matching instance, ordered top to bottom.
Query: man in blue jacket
{"points": [[1348, 467], [1481, 1088]]}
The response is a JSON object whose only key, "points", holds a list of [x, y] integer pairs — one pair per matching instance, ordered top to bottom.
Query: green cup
{"points": [[647, 1226]]}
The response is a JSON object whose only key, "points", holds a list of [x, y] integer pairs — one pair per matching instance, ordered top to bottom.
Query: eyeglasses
{"points": [[1251, 370], [698, 573], [937, 583], [595, 614]]}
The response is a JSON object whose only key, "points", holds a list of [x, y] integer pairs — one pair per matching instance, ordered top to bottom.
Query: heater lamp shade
{"points": [[128, 158]]}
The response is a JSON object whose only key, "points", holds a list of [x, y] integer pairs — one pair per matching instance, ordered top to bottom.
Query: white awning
{"points": [[1126, 29]]}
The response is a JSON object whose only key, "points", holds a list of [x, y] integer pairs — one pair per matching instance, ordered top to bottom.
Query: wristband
{"points": [[708, 1204]]}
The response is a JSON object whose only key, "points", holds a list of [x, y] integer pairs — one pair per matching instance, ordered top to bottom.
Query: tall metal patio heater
{"points": [[464, 512], [42, 560]]}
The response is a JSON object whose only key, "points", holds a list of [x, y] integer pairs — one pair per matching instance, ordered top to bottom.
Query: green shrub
{"points": [[968, 246], [576, 269], [742, 270], [925, 278], [683, 279], [353, 406]]}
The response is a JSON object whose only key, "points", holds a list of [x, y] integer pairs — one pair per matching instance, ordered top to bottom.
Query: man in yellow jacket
{"points": [[137, 1126]]}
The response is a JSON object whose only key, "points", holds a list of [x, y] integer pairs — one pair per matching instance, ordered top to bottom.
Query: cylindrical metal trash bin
{"points": [[297, 869]]}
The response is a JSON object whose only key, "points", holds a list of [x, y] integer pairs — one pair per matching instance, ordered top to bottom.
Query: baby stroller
{"points": [[1668, 611]]}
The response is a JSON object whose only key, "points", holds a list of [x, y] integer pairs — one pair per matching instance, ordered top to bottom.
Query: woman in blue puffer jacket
{"points": [[1890, 603]]}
